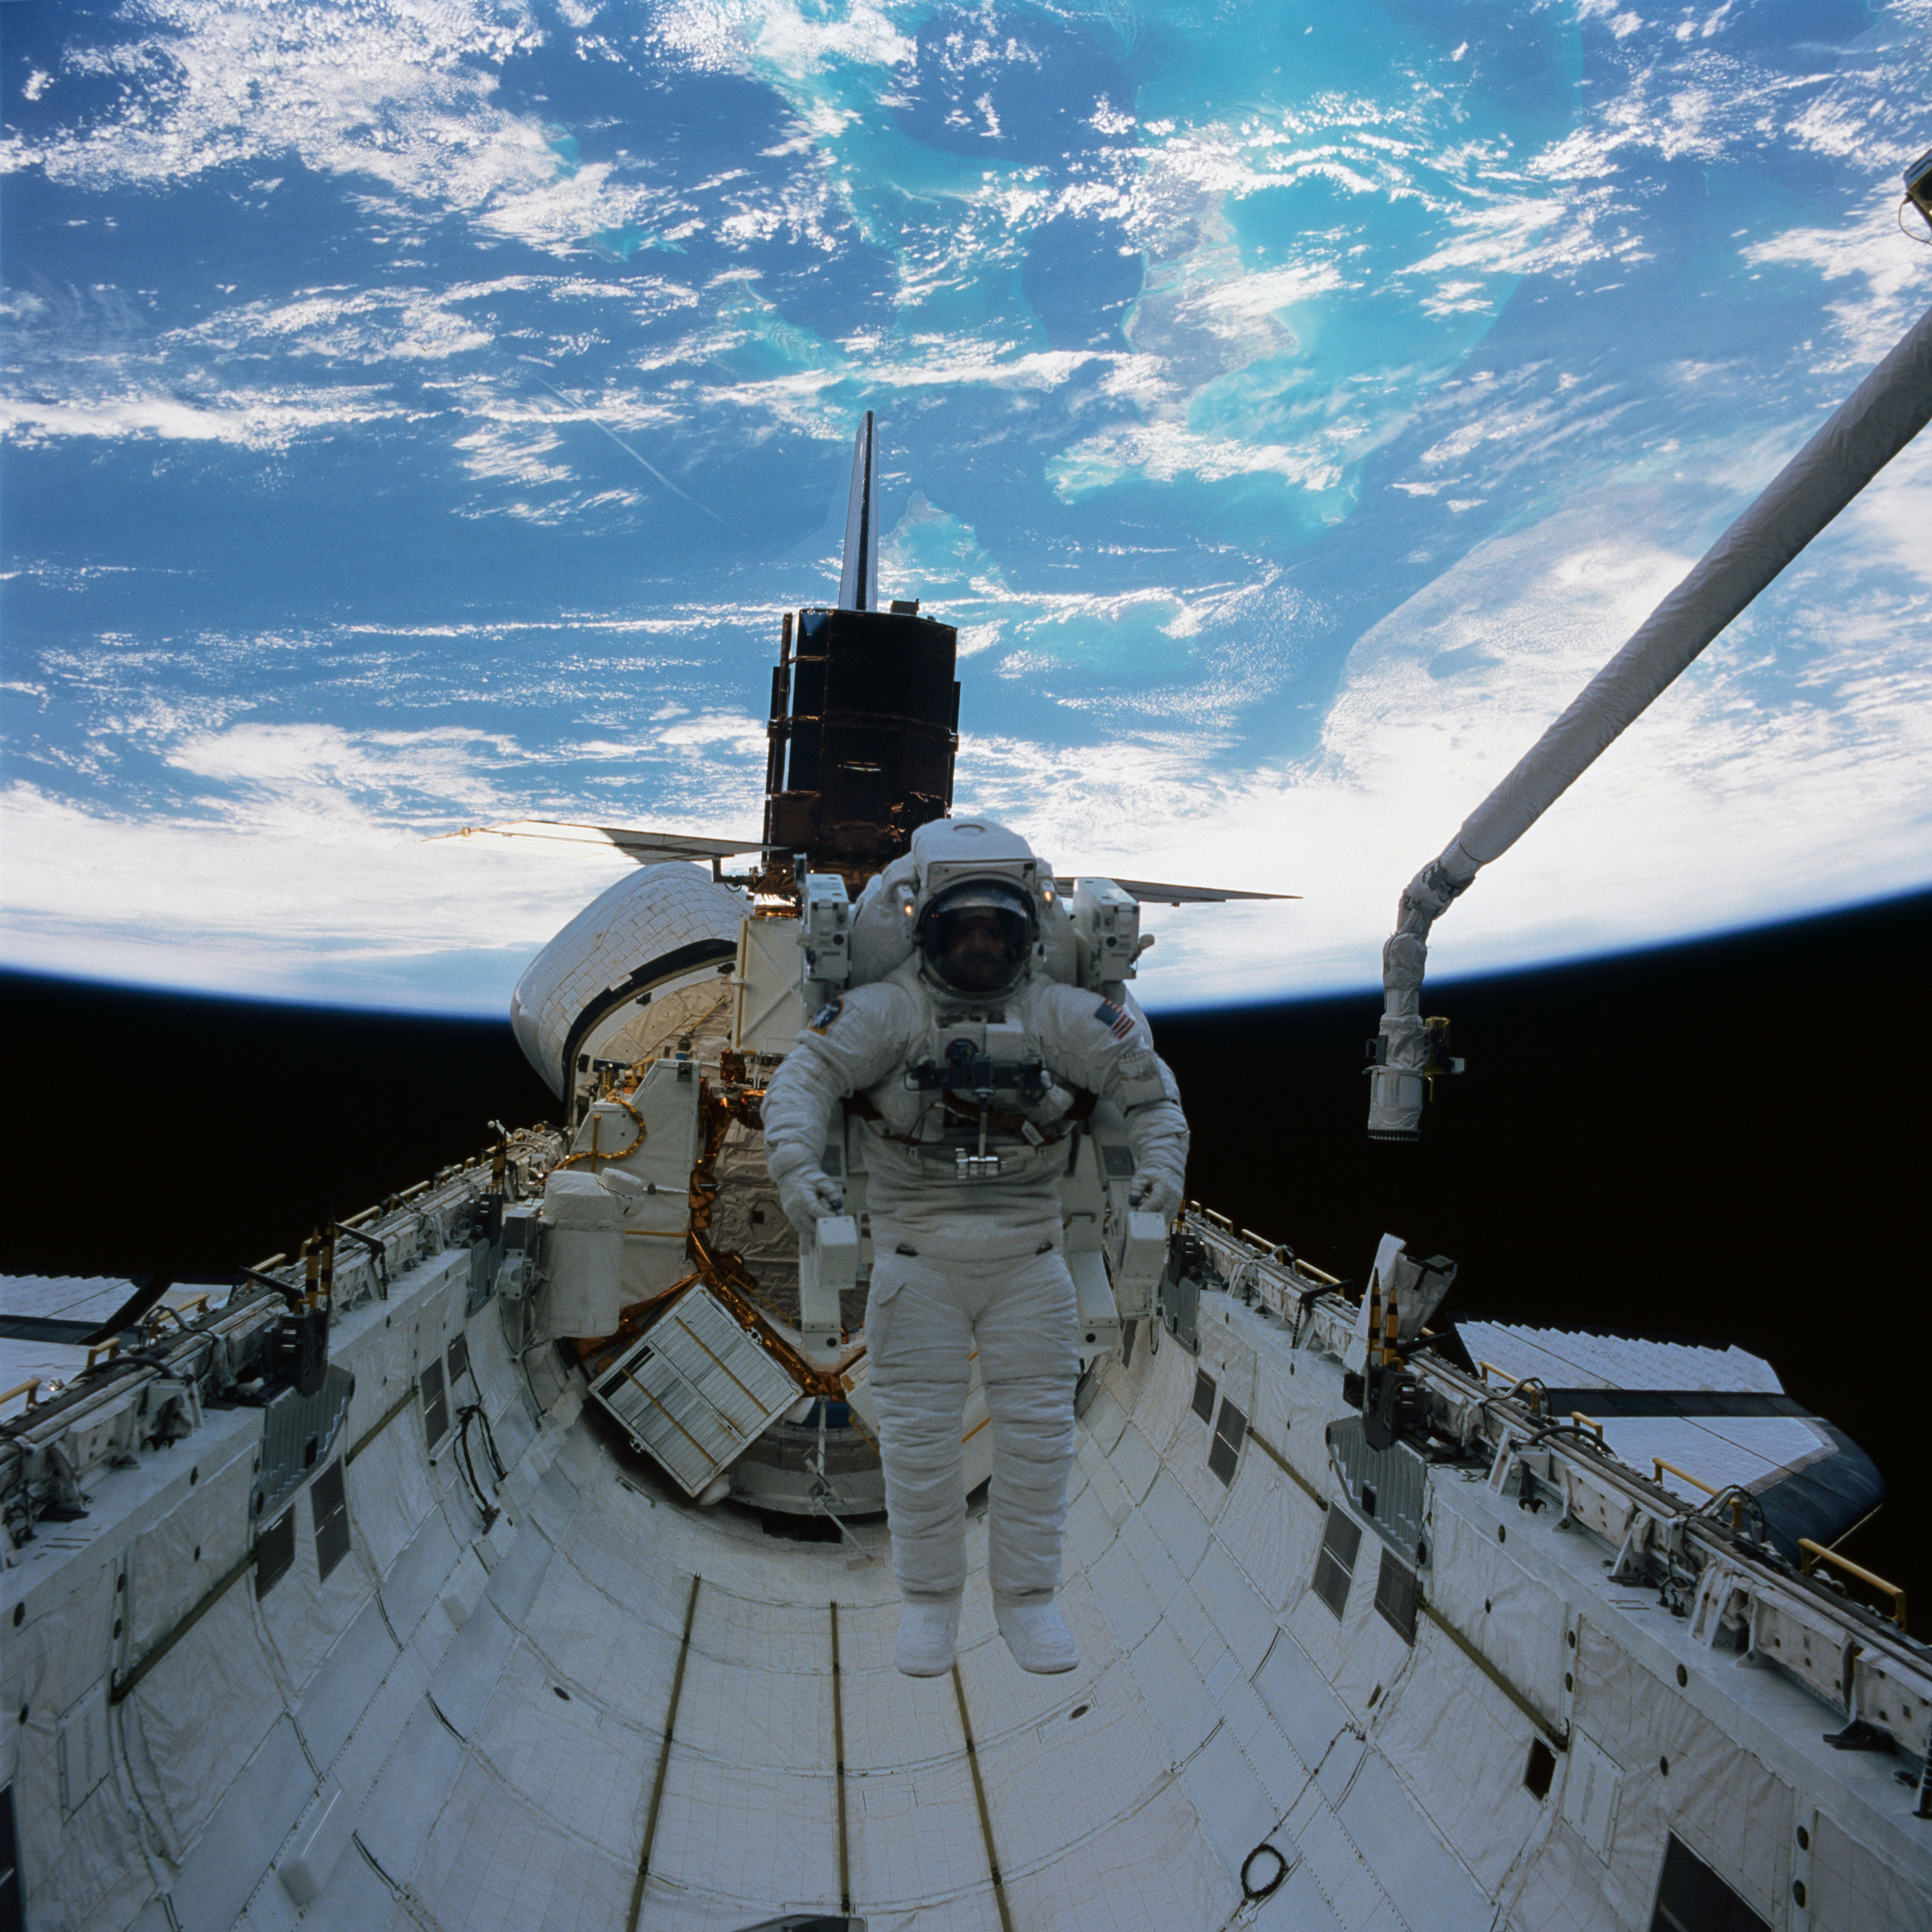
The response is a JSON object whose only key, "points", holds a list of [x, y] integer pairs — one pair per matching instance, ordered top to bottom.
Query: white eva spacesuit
{"points": [[971, 1067]]}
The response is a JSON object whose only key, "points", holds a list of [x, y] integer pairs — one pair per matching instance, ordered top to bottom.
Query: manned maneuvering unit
{"points": [[513, 1554]]}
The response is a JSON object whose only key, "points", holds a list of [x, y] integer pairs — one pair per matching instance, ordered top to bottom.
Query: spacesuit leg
{"points": [[1028, 1332], [919, 1338]]}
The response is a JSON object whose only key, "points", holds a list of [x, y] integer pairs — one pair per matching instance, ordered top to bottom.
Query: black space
{"points": [[1715, 1140], [1720, 1140]]}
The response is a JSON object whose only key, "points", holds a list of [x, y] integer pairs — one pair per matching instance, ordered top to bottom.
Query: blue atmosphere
{"points": [[417, 417]]}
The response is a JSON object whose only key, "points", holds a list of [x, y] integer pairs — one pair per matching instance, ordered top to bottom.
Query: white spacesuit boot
{"points": [[928, 1634], [1036, 1634]]}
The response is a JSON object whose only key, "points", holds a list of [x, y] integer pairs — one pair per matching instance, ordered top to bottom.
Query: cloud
{"points": [[775, 37], [383, 90], [395, 98], [1868, 250], [1265, 291], [366, 325], [258, 419], [1159, 452], [518, 453], [744, 734], [1791, 766], [1788, 768], [324, 773], [301, 864], [306, 895]]}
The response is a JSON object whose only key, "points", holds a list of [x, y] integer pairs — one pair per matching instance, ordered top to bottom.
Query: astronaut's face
{"points": [[975, 957]]}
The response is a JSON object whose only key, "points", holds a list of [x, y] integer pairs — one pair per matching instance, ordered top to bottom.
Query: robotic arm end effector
{"points": [[1409, 1051], [1406, 1058]]}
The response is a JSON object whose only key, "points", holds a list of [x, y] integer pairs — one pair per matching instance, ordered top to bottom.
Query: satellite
{"points": [[864, 726]]}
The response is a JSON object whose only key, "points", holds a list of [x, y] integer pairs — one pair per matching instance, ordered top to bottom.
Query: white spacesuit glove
{"points": [[807, 1192], [1153, 1193]]}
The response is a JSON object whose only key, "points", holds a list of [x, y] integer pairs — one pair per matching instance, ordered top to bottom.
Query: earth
{"points": [[418, 416]]}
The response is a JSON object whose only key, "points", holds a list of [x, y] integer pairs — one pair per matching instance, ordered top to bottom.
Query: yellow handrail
{"points": [[194, 1302], [1486, 1370], [1583, 1421], [1658, 1465], [1813, 1553]]}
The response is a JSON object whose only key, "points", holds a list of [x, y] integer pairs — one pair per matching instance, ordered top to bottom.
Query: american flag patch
{"points": [[1110, 1017]]}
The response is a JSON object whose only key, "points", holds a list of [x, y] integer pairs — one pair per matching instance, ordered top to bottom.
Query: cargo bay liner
{"points": [[427, 1577]]}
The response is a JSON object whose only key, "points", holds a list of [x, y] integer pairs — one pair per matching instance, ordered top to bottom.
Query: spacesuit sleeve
{"points": [[850, 1043], [1110, 1051]]}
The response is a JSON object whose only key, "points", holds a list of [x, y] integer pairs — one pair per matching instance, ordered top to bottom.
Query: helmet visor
{"points": [[976, 936]]}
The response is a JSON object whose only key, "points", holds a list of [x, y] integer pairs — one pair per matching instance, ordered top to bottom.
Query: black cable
{"points": [[1305, 1298], [119, 1360], [92, 1370], [1538, 1413], [1566, 1427], [489, 1443], [1748, 1506], [485, 1508], [1267, 1891]]}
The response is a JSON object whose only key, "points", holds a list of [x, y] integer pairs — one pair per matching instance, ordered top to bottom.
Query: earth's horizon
{"points": [[419, 418]]}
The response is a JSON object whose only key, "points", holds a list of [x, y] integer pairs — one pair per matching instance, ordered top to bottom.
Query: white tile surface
{"points": [[1570, 1358], [1216, 1705]]}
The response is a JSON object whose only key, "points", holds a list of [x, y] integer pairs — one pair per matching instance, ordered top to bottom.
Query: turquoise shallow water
{"points": [[416, 420]]}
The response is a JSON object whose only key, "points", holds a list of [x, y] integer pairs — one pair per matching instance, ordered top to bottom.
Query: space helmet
{"points": [[976, 920], [976, 936]]}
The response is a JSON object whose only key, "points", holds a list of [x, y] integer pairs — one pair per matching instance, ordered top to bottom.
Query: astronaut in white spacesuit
{"points": [[970, 1066]]}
